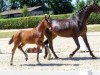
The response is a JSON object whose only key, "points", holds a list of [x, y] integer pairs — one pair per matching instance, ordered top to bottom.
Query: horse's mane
{"points": [[81, 10]]}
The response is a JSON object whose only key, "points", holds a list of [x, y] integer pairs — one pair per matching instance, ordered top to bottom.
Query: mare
{"points": [[74, 27], [29, 36]]}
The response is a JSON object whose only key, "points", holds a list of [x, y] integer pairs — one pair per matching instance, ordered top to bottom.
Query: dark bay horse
{"points": [[74, 27], [30, 36]]}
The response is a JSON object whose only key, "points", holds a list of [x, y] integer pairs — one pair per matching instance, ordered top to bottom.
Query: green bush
{"points": [[25, 11], [94, 19], [32, 21], [25, 22], [19, 23]]}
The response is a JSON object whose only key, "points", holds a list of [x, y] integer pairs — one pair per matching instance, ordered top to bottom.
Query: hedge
{"points": [[94, 19], [32, 21]]}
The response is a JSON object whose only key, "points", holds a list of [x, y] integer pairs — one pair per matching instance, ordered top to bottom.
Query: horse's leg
{"points": [[50, 36], [87, 44], [78, 46], [20, 47], [51, 47], [13, 52], [48, 52]]}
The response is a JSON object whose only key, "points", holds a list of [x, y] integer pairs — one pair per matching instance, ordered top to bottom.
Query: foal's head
{"points": [[94, 7], [47, 22]]}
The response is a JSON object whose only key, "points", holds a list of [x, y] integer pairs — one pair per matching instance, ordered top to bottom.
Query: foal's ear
{"points": [[45, 16], [48, 16]]}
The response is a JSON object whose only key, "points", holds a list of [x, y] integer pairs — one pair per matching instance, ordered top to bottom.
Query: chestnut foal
{"points": [[30, 36]]}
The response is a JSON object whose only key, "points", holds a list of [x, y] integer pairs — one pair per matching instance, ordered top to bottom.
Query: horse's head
{"points": [[94, 7]]}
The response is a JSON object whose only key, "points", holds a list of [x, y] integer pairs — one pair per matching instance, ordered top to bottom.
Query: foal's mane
{"points": [[40, 22]]}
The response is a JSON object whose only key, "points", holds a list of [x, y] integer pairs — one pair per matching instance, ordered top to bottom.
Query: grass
{"points": [[91, 28]]}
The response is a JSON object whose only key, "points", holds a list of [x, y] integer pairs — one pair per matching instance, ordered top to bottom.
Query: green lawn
{"points": [[91, 28]]}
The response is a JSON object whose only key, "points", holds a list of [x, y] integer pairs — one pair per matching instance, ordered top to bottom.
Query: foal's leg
{"points": [[87, 44], [78, 46], [20, 47], [38, 50], [13, 52]]}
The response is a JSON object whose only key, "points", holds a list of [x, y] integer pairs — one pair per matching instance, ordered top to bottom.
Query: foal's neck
{"points": [[41, 27]]}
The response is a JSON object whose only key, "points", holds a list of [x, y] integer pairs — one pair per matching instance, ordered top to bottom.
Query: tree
{"points": [[30, 3], [14, 4], [80, 4], [3, 5], [60, 6], [25, 11]]}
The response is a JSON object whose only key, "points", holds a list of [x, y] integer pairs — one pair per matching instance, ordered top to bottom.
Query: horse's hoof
{"points": [[71, 55], [44, 57], [56, 57], [49, 58], [94, 58], [26, 59], [39, 63], [11, 64]]}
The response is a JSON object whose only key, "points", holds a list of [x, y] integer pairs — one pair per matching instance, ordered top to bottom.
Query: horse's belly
{"points": [[64, 33]]}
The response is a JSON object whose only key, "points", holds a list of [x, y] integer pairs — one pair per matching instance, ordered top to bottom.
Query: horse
{"points": [[74, 27], [29, 36]]}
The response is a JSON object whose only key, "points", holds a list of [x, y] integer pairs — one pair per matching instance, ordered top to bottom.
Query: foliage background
{"points": [[32, 21]]}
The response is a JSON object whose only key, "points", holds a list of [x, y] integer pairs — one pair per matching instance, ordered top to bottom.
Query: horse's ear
{"points": [[93, 1]]}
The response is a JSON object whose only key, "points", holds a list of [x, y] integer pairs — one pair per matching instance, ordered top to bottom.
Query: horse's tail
{"points": [[11, 40]]}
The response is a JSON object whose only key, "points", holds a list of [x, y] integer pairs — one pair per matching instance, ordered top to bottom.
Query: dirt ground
{"points": [[63, 47]]}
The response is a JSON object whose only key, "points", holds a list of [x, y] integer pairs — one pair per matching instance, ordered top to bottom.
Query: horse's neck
{"points": [[83, 16], [86, 16]]}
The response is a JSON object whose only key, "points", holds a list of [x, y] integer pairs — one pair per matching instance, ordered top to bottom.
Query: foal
{"points": [[30, 36]]}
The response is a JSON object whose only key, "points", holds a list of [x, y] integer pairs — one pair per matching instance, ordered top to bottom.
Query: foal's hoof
{"points": [[94, 58]]}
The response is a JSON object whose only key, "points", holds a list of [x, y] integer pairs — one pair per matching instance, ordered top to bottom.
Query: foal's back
{"points": [[29, 36]]}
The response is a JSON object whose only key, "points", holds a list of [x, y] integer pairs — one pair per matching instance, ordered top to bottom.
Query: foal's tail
{"points": [[11, 40]]}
